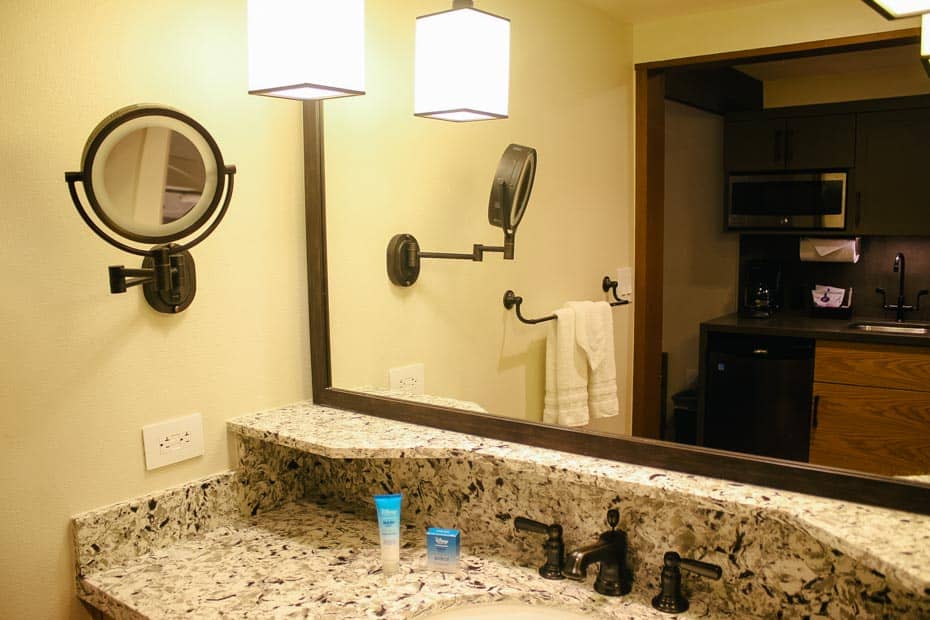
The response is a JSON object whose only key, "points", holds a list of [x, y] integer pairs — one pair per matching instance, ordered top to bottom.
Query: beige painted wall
{"points": [[762, 25], [833, 87], [388, 172], [701, 261], [82, 371]]}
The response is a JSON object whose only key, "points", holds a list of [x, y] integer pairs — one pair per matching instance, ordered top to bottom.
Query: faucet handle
{"points": [[881, 292], [919, 295], [613, 515], [554, 545], [670, 599]]}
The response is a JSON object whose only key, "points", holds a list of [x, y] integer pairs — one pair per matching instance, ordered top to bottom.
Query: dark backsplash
{"points": [[873, 270]]}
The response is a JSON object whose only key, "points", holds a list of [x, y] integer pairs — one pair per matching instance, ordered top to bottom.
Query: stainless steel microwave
{"points": [[808, 200]]}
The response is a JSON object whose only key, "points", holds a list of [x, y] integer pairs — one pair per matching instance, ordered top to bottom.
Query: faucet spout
{"points": [[609, 552], [579, 560]]}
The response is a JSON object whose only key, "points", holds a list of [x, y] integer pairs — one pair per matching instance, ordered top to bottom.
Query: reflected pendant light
{"points": [[896, 9], [925, 42], [306, 49], [462, 65]]}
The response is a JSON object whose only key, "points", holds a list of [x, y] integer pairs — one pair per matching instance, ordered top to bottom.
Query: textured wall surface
{"points": [[83, 370]]}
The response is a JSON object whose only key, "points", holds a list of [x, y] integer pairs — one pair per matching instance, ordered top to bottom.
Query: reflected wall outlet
{"points": [[624, 281], [691, 376], [407, 379], [172, 441]]}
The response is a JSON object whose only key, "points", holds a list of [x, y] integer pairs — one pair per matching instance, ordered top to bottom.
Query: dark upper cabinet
{"points": [[820, 142], [800, 143], [755, 145], [892, 173]]}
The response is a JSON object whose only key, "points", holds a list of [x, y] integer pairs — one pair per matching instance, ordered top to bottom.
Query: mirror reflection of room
{"points": [[154, 175], [771, 321], [449, 336], [447, 340]]}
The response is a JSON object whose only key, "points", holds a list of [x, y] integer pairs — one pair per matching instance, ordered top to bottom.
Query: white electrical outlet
{"points": [[624, 281], [407, 379], [172, 441]]}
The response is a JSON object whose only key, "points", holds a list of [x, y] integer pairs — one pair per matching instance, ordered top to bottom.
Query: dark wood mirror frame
{"points": [[650, 138]]}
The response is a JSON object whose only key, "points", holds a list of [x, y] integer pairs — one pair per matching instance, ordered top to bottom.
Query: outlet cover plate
{"points": [[407, 379], [173, 441]]}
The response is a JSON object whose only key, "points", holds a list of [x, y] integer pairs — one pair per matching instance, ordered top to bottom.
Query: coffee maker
{"points": [[761, 289]]}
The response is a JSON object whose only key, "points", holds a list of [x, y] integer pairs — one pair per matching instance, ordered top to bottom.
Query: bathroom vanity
{"points": [[291, 532]]}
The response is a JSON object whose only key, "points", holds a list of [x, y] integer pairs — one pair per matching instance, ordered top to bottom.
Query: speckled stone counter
{"points": [[782, 554], [304, 560]]}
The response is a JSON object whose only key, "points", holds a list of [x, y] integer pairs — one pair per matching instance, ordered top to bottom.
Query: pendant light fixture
{"points": [[898, 9], [925, 42], [306, 49], [462, 65]]}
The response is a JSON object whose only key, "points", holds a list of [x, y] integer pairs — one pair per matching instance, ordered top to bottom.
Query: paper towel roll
{"points": [[829, 250]]}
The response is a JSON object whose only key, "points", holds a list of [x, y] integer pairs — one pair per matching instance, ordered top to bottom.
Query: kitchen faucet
{"points": [[900, 308]]}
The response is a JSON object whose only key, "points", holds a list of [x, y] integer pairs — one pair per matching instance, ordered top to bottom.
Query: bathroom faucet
{"points": [[900, 308], [609, 552]]}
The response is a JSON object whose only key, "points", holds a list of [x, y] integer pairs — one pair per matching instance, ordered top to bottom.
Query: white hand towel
{"points": [[594, 333], [566, 401]]}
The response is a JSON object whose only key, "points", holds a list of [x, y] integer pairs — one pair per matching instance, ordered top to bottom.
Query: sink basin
{"points": [[914, 329], [505, 611]]}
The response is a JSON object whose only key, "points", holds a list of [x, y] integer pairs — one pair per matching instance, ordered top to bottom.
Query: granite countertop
{"points": [[806, 326], [895, 543], [306, 560]]}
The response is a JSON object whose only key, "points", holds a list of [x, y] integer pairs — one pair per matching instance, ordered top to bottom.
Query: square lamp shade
{"points": [[896, 9], [925, 42], [306, 49], [462, 66]]}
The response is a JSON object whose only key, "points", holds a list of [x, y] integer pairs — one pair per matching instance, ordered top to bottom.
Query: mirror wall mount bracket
{"points": [[404, 255], [167, 276]]}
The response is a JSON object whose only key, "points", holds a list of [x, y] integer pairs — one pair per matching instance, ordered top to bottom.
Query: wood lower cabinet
{"points": [[871, 409], [877, 430]]}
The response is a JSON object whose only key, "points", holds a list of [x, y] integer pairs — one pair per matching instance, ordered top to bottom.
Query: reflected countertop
{"points": [[806, 326]]}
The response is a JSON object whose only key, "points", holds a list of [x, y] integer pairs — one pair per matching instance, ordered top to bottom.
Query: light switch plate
{"points": [[624, 281], [172, 441]]}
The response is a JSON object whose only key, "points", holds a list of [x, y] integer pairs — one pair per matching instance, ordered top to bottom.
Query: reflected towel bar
{"points": [[512, 300]]}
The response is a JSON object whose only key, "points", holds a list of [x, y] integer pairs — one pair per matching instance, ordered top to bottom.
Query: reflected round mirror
{"points": [[515, 173], [152, 174]]}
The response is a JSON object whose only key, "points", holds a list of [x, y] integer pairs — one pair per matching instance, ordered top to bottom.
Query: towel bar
{"points": [[512, 300]]}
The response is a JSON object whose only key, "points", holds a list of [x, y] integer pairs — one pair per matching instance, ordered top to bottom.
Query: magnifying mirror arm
{"points": [[477, 253], [164, 274]]}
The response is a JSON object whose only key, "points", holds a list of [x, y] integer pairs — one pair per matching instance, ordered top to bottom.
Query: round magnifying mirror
{"points": [[152, 174], [513, 183]]}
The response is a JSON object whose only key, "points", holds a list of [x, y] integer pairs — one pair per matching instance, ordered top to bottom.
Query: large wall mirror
{"points": [[573, 97]]}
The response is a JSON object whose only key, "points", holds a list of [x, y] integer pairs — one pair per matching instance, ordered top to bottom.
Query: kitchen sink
{"points": [[913, 329]]}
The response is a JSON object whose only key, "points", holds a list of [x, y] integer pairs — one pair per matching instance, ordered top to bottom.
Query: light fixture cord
{"points": [[463, 4]]}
